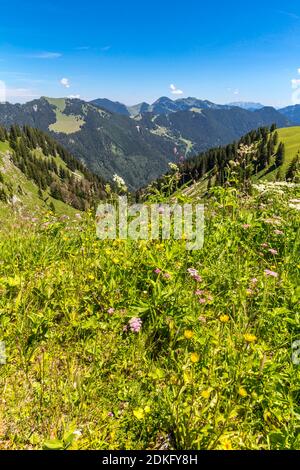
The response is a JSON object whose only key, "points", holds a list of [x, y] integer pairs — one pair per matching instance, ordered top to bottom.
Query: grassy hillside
{"points": [[65, 123], [290, 136], [4, 146], [37, 174], [23, 194], [208, 366]]}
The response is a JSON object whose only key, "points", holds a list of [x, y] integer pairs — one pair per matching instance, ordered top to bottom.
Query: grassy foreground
{"points": [[210, 365]]}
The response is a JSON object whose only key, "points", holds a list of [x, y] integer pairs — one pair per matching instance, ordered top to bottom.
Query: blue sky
{"points": [[134, 50]]}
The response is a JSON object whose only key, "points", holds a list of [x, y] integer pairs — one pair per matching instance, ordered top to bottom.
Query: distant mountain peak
{"points": [[164, 99], [248, 105], [111, 106], [292, 113]]}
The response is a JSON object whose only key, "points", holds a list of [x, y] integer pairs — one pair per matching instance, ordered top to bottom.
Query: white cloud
{"points": [[290, 14], [105, 48], [45, 55], [299, 70], [65, 82], [295, 83], [175, 90], [234, 91], [16, 94], [72, 97]]}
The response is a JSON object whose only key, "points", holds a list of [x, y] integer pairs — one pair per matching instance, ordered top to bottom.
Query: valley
{"points": [[138, 147]]}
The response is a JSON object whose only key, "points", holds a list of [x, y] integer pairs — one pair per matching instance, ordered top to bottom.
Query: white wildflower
{"points": [[173, 166], [120, 182], [295, 206]]}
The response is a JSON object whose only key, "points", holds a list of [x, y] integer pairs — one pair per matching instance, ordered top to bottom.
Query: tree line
{"points": [[267, 154]]}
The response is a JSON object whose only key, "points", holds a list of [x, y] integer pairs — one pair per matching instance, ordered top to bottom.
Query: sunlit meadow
{"points": [[145, 345]]}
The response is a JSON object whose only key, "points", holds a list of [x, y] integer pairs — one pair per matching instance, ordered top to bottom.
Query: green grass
{"points": [[59, 103], [67, 124], [290, 136], [4, 146], [208, 370]]}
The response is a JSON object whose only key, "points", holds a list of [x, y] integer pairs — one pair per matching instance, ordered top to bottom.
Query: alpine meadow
{"points": [[117, 331]]}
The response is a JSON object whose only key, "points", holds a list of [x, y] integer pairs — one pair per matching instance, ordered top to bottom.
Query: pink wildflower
{"points": [[246, 226], [278, 232], [265, 245], [273, 252], [157, 271], [270, 273], [194, 274], [167, 275], [254, 280], [199, 292], [202, 301], [111, 310], [135, 324]]}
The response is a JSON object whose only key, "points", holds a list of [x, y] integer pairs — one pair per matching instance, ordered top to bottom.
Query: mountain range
{"points": [[163, 105], [247, 105], [292, 113], [105, 142], [138, 142]]}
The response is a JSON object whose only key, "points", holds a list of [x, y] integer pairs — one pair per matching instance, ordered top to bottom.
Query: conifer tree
{"points": [[279, 159]]}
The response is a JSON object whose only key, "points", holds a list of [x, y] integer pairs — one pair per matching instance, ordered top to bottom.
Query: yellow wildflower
{"points": [[224, 318], [188, 334], [250, 338], [195, 357], [187, 377], [243, 392], [206, 393], [147, 409], [139, 413], [226, 444]]}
